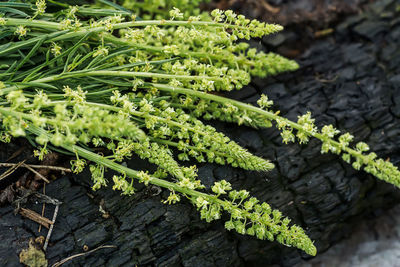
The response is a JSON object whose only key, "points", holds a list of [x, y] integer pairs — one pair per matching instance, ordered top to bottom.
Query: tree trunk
{"points": [[349, 78]]}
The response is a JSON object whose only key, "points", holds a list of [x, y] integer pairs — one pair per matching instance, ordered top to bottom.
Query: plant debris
{"points": [[30, 214], [85, 248], [33, 256]]}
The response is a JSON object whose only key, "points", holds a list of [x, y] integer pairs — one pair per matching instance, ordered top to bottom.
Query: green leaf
{"points": [[14, 4], [116, 6], [13, 11], [102, 12], [4, 35]]}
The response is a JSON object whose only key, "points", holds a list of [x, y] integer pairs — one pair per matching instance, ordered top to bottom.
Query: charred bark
{"points": [[350, 79]]}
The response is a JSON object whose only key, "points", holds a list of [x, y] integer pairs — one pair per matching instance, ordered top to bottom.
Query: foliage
{"points": [[149, 9], [76, 78]]}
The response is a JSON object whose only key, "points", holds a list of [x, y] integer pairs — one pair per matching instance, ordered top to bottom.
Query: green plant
{"points": [[158, 9], [81, 77]]}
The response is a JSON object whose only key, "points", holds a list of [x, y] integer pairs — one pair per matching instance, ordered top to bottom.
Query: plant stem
{"points": [[47, 25], [123, 25], [110, 38], [185, 53], [109, 73], [243, 106], [174, 144], [125, 170], [226, 205]]}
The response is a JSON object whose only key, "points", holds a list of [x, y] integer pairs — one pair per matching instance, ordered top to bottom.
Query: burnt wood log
{"points": [[350, 79]]}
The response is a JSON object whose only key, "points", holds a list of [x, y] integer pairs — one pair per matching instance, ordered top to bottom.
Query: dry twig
{"points": [[54, 168], [11, 170], [36, 172], [43, 207], [36, 217], [51, 228], [59, 263]]}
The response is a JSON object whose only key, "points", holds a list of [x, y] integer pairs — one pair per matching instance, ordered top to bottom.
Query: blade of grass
{"points": [[14, 4], [116, 6], [13, 11], [31, 53]]}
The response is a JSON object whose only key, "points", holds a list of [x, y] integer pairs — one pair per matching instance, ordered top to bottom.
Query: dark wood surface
{"points": [[350, 78]]}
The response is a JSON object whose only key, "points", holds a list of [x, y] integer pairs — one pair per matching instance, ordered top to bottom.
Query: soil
{"points": [[349, 76]]}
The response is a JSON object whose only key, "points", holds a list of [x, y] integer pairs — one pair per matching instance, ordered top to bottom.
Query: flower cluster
{"points": [[41, 7], [155, 9], [175, 13], [244, 28], [21, 31], [55, 49], [208, 50], [76, 96], [264, 102], [212, 110], [72, 121], [174, 127], [305, 128], [302, 130], [203, 143], [40, 153], [358, 157], [78, 165], [98, 178], [120, 183], [172, 198], [249, 216]]}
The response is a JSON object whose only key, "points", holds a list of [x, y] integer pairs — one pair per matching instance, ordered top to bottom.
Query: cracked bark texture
{"points": [[350, 79]]}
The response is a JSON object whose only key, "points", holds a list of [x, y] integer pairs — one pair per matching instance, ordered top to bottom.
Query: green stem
{"points": [[143, 23], [47, 25], [123, 25], [53, 26], [110, 38], [22, 44], [184, 53], [108, 73], [116, 109], [267, 114], [144, 115], [174, 144], [125, 170], [226, 205]]}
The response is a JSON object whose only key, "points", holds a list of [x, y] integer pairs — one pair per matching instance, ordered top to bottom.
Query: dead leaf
{"points": [[33, 256]]}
